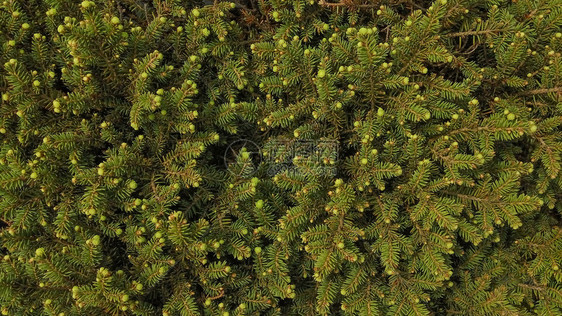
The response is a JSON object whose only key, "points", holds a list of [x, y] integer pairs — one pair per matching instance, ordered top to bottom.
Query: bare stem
{"points": [[343, 4], [468, 33], [542, 91]]}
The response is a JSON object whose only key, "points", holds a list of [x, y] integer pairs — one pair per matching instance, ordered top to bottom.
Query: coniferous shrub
{"points": [[280, 157]]}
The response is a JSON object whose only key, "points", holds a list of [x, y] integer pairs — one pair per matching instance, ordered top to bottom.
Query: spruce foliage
{"points": [[399, 157]]}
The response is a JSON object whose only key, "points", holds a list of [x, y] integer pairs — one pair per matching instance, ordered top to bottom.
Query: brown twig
{"points": [[343, 4], [468, 33], [542, 91], [218, 296]]}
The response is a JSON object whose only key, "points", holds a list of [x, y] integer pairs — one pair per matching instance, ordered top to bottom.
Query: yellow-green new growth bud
{"points": [[133, 184], [259, 204]]}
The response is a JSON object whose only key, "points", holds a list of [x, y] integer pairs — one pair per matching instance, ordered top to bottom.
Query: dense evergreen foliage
{"points": [[281, 157]]}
